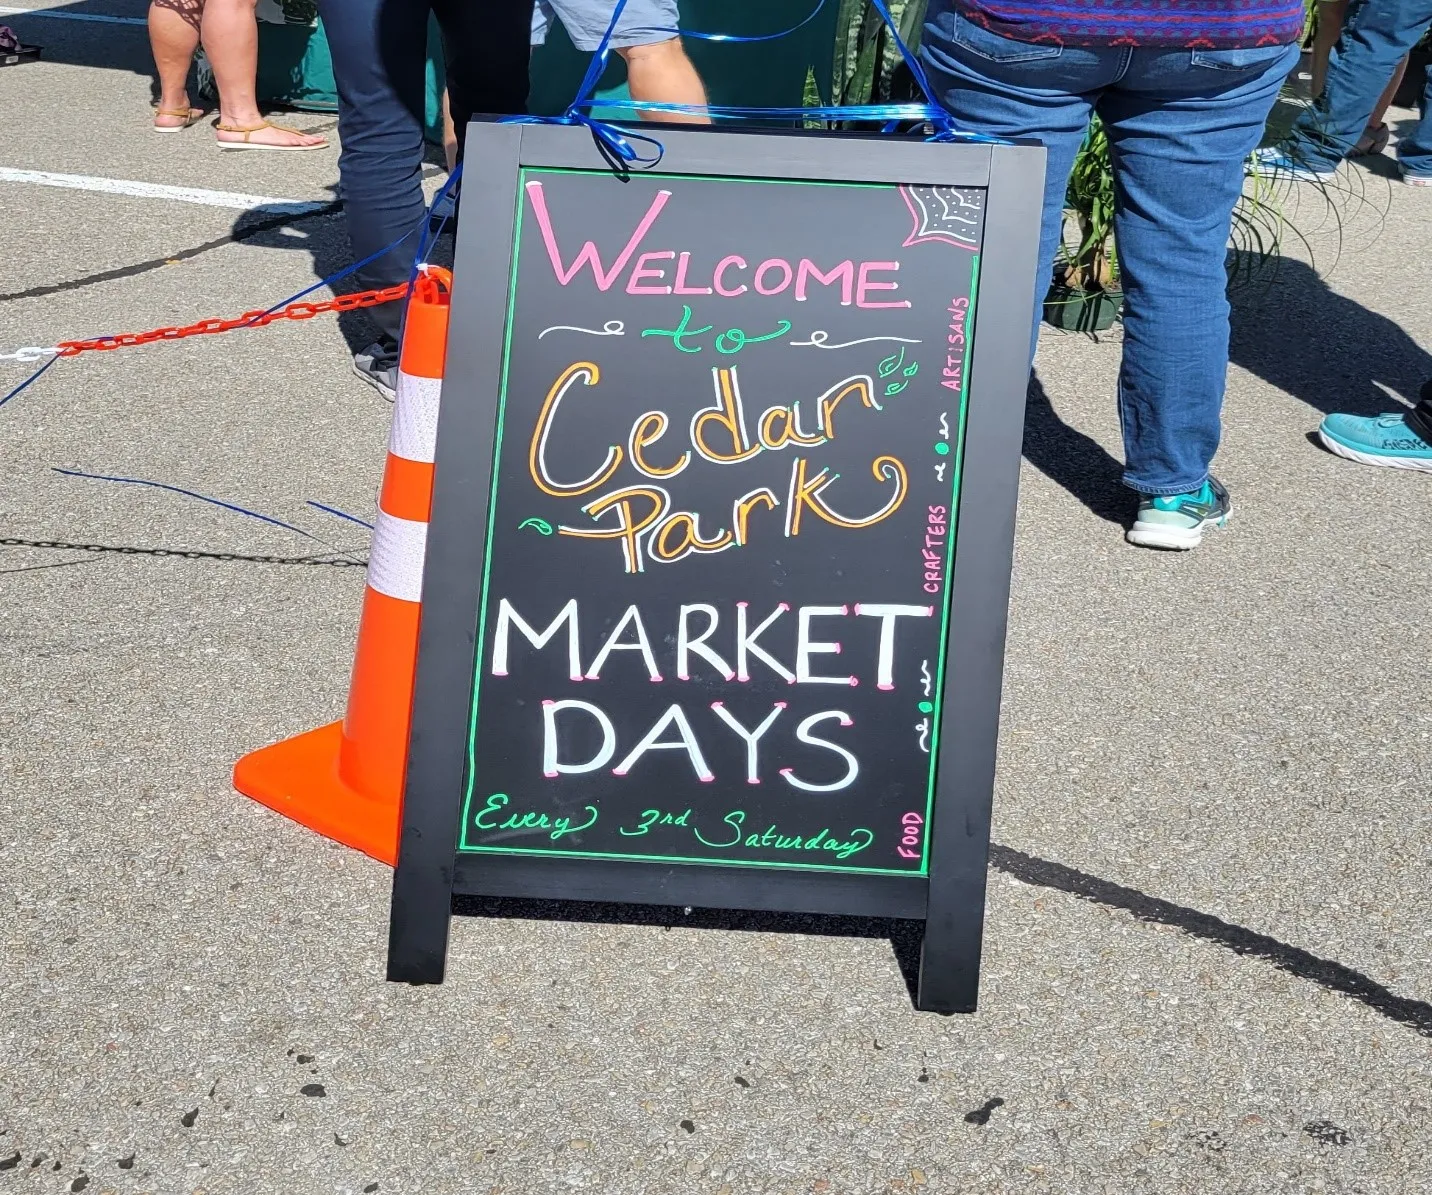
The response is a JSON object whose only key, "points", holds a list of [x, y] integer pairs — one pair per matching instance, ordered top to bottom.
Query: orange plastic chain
{"points": [[250, 319]]}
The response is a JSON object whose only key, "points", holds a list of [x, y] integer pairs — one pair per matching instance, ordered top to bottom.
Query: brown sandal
{"points": [[190, 116], [267, 124], [1372, 142]]}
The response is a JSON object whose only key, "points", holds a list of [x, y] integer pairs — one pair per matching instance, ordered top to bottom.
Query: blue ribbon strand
{"points": [[731, 37], [887, 114], [617, 142], [34, 377], [174, 489], [243, 510], [342, 514]]}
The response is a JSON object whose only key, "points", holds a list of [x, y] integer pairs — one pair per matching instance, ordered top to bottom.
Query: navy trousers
{"points": [[379, 50]]}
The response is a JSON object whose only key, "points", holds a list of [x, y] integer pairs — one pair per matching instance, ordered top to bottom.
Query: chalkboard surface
{"points": [[731, 423], [717, 578]]}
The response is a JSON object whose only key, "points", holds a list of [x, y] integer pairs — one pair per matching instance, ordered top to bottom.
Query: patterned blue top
{"points": [[1193, 24]]}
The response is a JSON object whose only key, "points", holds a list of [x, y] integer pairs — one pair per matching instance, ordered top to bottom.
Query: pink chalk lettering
{"points": [[589, 254], [785, 266], [721, 267], [642, 270], [844, 273], [867, 284], [681, 288]]}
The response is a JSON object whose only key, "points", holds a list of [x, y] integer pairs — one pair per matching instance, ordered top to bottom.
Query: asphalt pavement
{"points": [[1209, 945]]}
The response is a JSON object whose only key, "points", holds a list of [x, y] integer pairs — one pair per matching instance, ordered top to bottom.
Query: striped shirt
{"points": [[1191, 24]]}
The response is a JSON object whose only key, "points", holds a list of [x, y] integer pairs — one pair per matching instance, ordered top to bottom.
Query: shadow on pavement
{"points": [[99, 44], [249, 227], [327, 243], [1290, 329], [1329, 351], [1074, 460], [330, 559], [904, 936], [1326, 973]]}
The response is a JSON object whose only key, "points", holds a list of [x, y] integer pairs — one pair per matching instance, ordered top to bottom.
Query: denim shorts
{"points": [[642, 21]]}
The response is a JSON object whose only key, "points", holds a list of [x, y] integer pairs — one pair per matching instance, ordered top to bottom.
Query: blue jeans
{"points": [[1375, 36], [380, 54], [1180, 124]]}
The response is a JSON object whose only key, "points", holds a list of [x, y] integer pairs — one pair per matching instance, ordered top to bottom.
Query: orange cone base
{"points": [[299, 779]]}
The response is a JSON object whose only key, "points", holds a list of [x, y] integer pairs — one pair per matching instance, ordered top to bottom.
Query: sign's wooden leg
{"points": [[422, 910], [950, 965]]}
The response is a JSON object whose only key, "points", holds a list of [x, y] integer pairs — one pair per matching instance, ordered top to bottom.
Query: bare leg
{"points": [[1331, 15], [173, 38], [231, 40], [662, 73], [1385, 102], [449, 134], [1374, 137]]}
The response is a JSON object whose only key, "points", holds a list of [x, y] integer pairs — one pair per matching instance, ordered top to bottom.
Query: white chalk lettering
{"points": [[888, 613], [508, 617], [651, 741], [551, 765], [852, 765]]}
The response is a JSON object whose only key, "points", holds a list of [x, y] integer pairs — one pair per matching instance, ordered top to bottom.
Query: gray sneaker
{"points": [[378, 366]]}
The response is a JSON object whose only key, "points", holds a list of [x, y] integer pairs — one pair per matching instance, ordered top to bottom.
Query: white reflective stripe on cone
{"points": [[415, 418], [395, 559]]}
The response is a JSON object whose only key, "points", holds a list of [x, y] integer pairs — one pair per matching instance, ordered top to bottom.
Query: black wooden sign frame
{"points": [[950, 900]]}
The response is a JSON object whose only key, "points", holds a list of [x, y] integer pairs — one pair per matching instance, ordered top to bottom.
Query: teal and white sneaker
{"points": [[1381, 440], [1177, 521]]}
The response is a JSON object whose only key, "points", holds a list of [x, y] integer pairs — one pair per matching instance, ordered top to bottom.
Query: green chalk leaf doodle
{"points": [[891, 363], [908, 372], [540, 525]]}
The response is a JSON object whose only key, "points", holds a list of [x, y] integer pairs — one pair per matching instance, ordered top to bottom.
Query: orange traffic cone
{"points": [[345, 780]]}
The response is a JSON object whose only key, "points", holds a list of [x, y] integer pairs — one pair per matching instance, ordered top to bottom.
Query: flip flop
{"points": [[190, 116], [267, 124]]}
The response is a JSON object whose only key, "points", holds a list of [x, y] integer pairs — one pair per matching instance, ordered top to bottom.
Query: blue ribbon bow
{"points": [[623, 148]]}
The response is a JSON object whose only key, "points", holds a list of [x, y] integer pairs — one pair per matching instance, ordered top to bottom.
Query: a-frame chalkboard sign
{"points": [[717, 576]]}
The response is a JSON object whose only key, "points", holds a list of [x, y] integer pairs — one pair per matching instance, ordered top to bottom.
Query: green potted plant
{"points": [[868, 68], [1085, 295]]}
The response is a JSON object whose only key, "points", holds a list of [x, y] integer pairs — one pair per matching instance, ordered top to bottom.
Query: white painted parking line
{"points": [[61, 14], [123, 186]]}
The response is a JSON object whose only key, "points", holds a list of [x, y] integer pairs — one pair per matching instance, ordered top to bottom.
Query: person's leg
{"points": [[1331, 14], [1376, 36], [173, 38], [647, 38], [231, 41], [486, 49], [379, 52], [660, 72], [1004, 88], [1389, 93], [1180, 125], [1375, 137], [450, 139], [1414, 153]]}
